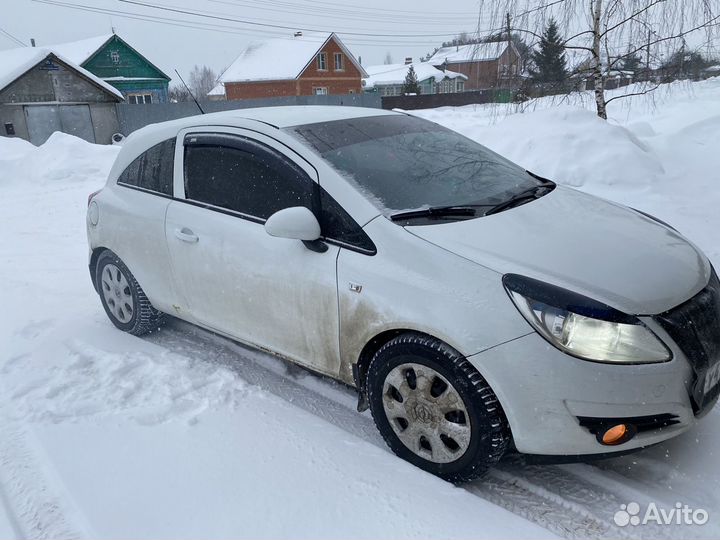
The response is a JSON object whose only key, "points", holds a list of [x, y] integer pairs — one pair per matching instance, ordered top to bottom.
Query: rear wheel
{"points": [[122, 297], [434, 409]]}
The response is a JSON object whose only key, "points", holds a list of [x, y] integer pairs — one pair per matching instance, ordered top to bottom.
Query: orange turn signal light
{"points": [[616, 434]]}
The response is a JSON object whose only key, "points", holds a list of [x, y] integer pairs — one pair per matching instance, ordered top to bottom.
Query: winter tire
{"points": [[122, 297], [434, 409]]}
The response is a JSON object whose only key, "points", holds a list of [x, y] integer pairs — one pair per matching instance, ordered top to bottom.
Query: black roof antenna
{"points": [[190, 92]]}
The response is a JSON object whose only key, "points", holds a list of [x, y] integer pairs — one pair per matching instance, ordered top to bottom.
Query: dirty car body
{"points": [[579, 313]]}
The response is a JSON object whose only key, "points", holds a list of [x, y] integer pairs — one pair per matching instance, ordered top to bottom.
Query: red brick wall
{"points": [[336, 82], [260, 89]]}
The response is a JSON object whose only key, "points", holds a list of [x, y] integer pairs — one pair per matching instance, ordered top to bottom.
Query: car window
{"points": [[402, 163], [153, 169], [238, 174], [336, 224]]}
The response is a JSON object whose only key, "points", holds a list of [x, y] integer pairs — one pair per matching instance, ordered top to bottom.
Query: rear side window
{"points": [[152, 170], [238, 174]]}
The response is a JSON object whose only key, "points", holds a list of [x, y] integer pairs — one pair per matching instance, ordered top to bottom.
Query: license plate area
{"points": [[707, 387]]}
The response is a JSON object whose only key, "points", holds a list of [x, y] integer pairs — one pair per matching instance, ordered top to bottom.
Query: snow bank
{"points": [[572, 146], [62, 158]]}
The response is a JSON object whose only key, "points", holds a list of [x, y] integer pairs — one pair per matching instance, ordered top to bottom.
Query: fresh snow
{"points": [[79, 51], [468, 53], [281, 58], [275, 59], [396, 73], [217, 90], [184, 434]]}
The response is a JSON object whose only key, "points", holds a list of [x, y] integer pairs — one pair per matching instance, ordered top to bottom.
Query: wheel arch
{"points": [[92, 265], [360, 367]]}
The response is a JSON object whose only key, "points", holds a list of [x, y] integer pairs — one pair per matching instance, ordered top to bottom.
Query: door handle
{"points": [[186, 235]]}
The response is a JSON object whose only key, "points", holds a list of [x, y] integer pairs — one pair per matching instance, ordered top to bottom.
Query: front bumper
{"points": [[546, 394]]}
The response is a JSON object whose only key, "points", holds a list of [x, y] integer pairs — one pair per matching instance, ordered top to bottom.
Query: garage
{"points": [[41, 92]]}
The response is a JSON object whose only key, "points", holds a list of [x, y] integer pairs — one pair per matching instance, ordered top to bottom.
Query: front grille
{"points": [[695, 328]]}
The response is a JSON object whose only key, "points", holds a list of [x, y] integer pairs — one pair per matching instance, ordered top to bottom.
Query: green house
{"points": [[111, 59]]}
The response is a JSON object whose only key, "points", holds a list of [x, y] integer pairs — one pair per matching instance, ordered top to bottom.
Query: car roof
{"points": [[278, 117], [281, 117]]}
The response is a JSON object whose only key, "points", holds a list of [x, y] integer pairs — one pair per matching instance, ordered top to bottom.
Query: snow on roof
{"points": [[79, 51], [469, 53], [280, 58], [16, 62], [396, 73], [218, 90]]}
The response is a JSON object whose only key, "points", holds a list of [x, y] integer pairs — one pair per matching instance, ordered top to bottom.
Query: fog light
{"points": [[618, 434]]}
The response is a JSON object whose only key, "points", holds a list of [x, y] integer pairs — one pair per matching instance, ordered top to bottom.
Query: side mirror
{"points": [[297, 222]]}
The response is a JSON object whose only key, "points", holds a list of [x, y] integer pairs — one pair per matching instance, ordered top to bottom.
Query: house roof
{"points": [[81, 51], [469, 53], [281, 58], [14, 63], [396, 73], [218, 90]]}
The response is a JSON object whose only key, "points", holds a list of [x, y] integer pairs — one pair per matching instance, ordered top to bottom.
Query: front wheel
{"points": [[122, 297], [434, 409]]}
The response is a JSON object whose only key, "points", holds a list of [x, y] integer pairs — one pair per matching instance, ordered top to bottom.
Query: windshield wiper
{"points": [[528, 194], [435, 211]]}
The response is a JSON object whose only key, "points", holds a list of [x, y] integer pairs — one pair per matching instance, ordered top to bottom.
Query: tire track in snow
{"points": [[565, 504], [35, 511]]}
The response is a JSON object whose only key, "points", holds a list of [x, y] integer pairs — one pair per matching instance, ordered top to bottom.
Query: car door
{"points": [[132, 220], [271, 292]]}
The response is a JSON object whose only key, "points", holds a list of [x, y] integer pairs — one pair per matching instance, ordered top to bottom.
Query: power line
{"points": [[401, 11], [292, 13], [349, 14], [268, 25], [216, 27], [10, 36]]}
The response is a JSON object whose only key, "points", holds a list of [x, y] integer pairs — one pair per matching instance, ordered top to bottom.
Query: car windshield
{"points": [[403, 163]]}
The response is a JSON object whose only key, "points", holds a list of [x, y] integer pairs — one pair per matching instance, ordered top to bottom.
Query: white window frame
{"points": [[115, 57], [338, 60], [322, 61], [460, 86], [320, 90], [139, 99]]}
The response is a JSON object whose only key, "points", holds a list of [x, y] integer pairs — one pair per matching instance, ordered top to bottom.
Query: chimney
{"points": [[297, 34], [32, 42], [408, 60]]}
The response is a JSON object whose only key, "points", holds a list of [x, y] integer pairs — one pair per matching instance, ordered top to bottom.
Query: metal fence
{"points": [[430, 101], [133, 117]]}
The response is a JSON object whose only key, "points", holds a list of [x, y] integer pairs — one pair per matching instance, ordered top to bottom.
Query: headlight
{"points": [[583, 327]]}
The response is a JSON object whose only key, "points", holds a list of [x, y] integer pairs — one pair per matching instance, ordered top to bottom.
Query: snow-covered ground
{"points": [[184, 434]]}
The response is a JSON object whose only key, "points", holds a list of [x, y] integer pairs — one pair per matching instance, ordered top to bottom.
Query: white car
{"points": [[477, 308]]}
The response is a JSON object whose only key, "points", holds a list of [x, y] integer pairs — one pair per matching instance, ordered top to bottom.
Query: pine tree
{"points": [[549, 59], [631, 62], [411, 85]]}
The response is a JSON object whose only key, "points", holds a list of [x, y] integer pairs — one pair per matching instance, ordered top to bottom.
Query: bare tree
{"points": [[603, 34], [388, 58], [202, 80], [178, 94]]}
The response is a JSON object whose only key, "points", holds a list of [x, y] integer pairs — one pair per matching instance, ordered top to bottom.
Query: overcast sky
{"points": [[171, 46]]}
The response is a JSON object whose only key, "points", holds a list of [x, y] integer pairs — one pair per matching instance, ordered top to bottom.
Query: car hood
{"points": [[585, 244]]}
